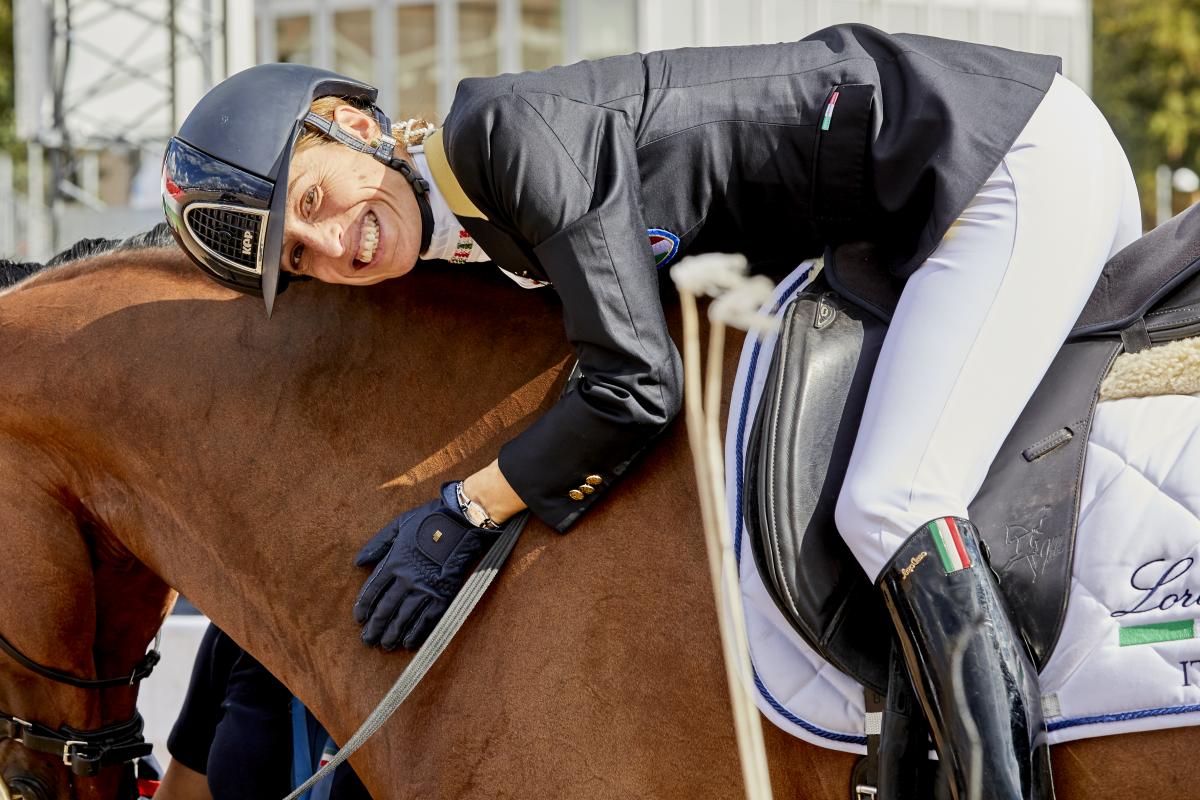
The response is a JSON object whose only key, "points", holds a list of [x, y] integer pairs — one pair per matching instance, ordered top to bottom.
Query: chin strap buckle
{"points": [[864, 792]]}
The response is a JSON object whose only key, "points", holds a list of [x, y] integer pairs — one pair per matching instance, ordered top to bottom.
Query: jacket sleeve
{"points": [[564, 175]]}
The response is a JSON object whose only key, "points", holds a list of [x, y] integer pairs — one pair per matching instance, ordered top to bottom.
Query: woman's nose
{"points": [[324, 238]]}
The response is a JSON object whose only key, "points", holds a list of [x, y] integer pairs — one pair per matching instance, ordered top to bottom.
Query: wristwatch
{"points": [[475, 513]]}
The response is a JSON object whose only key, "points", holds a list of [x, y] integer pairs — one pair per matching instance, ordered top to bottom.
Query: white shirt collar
{"points": [[450, 241]]}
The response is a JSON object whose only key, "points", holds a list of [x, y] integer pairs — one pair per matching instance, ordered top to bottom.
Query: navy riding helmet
{"points": [[225, 174]]}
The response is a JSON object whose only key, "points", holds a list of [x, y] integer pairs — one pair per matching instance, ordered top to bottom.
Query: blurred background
{"points": [[92, 89]]}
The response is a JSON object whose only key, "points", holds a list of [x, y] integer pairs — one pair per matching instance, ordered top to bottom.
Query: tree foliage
{"points": [[1146, 56], [8, 140]]}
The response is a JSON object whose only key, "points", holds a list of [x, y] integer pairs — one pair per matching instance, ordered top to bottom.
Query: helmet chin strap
{"points": [[383, 150]]}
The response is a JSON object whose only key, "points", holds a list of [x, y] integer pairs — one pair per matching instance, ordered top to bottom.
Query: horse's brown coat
{"points": [[154, 426]]}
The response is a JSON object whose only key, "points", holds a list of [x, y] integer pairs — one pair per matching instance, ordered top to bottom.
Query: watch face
{"points": [[475, 515]]}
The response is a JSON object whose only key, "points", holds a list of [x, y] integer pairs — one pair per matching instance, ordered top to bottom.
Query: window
{"points": [[903, 17], [957, 23], [607, 27], [1008, 29], [541, 34], [478, 38], [293, 39], [352, 44], [416, 62]]}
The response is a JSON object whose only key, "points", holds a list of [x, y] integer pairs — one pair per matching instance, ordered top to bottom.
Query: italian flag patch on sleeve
{"points": [[948, 541]]}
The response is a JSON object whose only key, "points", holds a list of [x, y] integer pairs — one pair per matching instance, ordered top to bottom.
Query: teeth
{"points": [[370, 238]]}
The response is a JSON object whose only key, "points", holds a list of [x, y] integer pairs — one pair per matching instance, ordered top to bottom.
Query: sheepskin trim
{"points": [[1172, 368]]}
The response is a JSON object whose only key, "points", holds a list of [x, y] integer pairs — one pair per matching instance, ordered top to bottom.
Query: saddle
{"points": [[1028, 507]]}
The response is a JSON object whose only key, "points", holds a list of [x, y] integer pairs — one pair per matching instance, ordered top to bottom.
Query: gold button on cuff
{"points": [[594, 480], [587, 489], [575, 494], [437, 536]]}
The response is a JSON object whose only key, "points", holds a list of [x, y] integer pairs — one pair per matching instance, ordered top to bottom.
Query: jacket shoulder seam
{"points": [[816, 68], [959, 70], [554, 133]]}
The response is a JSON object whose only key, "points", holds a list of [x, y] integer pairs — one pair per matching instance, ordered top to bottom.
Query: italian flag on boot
{"points": [[949, 544]]}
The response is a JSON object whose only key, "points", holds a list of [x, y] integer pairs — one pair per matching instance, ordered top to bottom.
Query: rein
{"points": [[424, 659], [141, 670], [84, 752]]}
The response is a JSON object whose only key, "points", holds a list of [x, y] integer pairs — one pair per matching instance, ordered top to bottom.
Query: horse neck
{"points": [[244, 462]]}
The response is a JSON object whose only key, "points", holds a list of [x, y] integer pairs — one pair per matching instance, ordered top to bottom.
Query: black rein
{"points": [[141, 670], [84, 752]]}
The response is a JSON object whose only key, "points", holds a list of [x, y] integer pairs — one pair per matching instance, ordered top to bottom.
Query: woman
{"points": [[988, 184]]}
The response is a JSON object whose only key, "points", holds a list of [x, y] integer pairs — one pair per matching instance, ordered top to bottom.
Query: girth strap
{"points": [[141, 670], [85, 752]]}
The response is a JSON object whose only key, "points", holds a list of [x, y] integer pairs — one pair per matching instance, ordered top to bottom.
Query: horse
{"points": [[158, 434]]}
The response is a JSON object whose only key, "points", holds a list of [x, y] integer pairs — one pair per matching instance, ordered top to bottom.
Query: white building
{"points": [[416, 51], [129, 80]]}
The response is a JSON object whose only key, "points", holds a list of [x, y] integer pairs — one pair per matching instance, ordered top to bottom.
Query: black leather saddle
{"points": [[1028, 507]]}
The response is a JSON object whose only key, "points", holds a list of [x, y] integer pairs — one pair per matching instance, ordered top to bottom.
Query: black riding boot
{"points": [[970, 669]]}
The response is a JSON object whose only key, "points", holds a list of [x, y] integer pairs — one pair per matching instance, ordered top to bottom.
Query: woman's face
{"points": [[350, 219]]}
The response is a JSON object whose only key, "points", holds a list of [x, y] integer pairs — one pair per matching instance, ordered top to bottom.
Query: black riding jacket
{"points": [[775, 151]]}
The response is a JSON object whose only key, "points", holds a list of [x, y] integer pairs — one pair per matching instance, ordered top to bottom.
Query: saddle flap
{"points": [[1148, 273], [816, 388], [1028, 507]]}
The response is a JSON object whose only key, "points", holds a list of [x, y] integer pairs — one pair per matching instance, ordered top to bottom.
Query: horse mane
{"points": [[14, 272]]}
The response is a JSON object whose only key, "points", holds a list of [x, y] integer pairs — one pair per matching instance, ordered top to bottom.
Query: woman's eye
{"points": [[309, 203], [294, 261]]}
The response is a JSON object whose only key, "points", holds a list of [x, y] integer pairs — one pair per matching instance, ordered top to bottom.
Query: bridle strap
{"points": [[141, 670], [84, 752]]}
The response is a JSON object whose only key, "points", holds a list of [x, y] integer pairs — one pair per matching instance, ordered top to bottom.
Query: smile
{"points": [[368, 242]]}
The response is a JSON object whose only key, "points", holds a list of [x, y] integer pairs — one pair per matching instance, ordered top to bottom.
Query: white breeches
{"points": [[979, 322]]}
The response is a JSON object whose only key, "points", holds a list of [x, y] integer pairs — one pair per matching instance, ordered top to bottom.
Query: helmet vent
{"points": [[234, 236]]}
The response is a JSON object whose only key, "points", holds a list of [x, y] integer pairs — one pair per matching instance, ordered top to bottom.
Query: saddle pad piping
{"points": [[1145, 713], [848, 738]]}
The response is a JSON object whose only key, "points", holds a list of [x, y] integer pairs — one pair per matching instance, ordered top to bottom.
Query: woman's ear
{"points": [[356, 122]]}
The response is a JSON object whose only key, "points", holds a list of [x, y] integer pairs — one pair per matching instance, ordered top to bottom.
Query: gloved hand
{"points": [[421, 558]]}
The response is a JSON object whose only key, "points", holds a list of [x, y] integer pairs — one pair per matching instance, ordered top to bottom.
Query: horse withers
{"points": [[156, 430]]}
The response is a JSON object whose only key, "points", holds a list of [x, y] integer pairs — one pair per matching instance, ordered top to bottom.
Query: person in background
{"points": [[236, 735]]}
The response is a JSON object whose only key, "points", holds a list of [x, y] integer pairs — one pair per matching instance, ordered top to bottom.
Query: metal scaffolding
{"points": [[111, 79]]}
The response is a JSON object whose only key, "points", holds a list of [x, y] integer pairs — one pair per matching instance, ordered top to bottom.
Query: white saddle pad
{"points": [[1129, 655]]}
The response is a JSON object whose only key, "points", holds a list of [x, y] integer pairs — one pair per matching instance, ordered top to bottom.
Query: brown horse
{"points": [[156, 431]]}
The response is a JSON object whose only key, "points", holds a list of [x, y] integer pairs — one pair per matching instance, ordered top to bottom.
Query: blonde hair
{"points": [[409, 132]]}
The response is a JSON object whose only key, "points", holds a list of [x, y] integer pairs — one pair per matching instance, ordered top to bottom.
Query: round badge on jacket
{"points": [[664, 245]]}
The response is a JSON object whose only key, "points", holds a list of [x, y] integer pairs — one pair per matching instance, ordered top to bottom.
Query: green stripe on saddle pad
{"points": [[1158, 632]]}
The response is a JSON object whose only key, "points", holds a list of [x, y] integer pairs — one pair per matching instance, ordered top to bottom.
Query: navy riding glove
{"points": [[422, 559]]}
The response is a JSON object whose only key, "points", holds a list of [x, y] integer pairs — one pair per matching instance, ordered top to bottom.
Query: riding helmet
{"points": [[225, 174]]}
